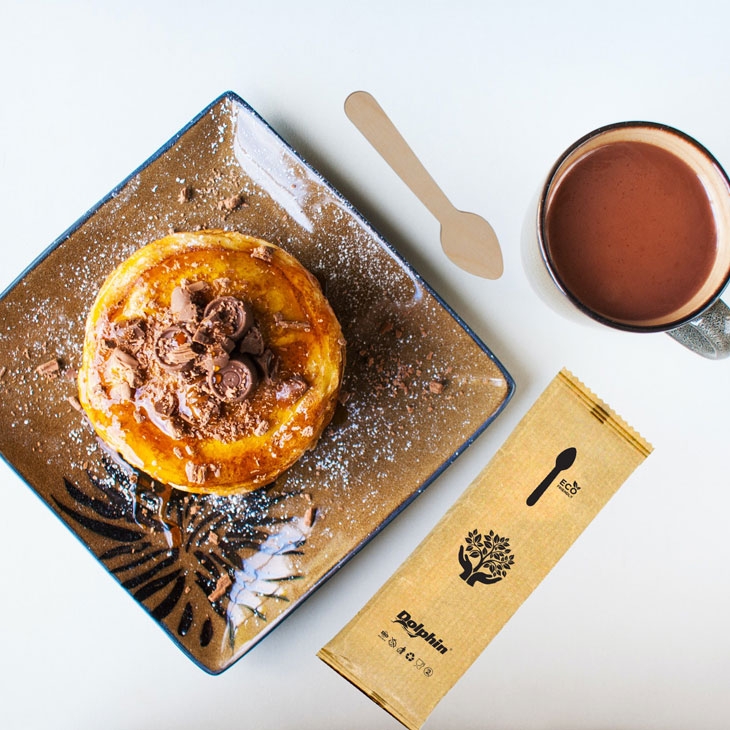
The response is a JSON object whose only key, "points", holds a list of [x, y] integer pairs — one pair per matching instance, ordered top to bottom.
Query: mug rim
{"points": [[542, 205]]}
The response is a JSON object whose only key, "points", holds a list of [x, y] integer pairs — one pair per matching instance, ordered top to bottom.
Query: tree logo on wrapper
{"points": [[485, 558]]}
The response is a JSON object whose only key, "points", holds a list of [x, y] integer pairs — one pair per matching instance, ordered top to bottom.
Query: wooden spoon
{"points": [[467, 239]]}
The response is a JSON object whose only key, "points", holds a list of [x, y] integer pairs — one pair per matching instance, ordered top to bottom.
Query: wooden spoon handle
{"points": [[368, 116]]}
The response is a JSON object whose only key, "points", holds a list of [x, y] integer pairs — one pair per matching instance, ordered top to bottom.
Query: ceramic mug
{"points": [[633, 230]]}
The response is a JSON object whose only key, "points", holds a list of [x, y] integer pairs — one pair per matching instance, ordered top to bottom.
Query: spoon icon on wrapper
{"points": [[563, 461]]}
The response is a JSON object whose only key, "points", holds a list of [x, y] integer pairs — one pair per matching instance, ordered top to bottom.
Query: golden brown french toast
{"points": [[212, 361]]}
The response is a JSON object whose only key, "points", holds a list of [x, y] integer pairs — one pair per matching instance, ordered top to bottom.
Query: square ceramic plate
{"points": [[219, 573]]}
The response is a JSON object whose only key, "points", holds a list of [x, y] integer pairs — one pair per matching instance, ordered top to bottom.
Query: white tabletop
{"points": [[630, 630]]}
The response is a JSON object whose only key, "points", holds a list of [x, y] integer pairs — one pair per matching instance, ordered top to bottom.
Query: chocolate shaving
{"points": [[186, 193], [228, 205], [264, 253], [196, 287], [182, 306], [290, 323], [131, 333], [202, 335], [252, 342], [181, 356], [123, 359], [214, 359], [268, 364], [121, 367], [49, 369], [69, 374], [120, 392], [165, 404], [197, 407], [196, 473], [309, 517], [221, 586]]}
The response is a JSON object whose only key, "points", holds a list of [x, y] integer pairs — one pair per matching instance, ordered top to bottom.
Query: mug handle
{"points": [[707, 335]]}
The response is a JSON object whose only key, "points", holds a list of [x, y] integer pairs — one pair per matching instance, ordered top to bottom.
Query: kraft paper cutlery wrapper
{"points": [[422, 630]]}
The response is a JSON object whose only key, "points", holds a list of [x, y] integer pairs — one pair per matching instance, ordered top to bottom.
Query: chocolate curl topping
{"points": [[182, 305], [229, 315], [131, 333], [252, 342], [173, 349], [214, 359], [268, 363], [121, 367], [233, 382], [165, 403], [197, 407]]}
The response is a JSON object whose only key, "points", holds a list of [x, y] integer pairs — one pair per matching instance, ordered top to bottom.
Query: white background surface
{"points": [[630, 630]]}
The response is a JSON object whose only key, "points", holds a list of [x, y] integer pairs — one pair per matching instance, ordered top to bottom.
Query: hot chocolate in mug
{"points": [[633, 230]]}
